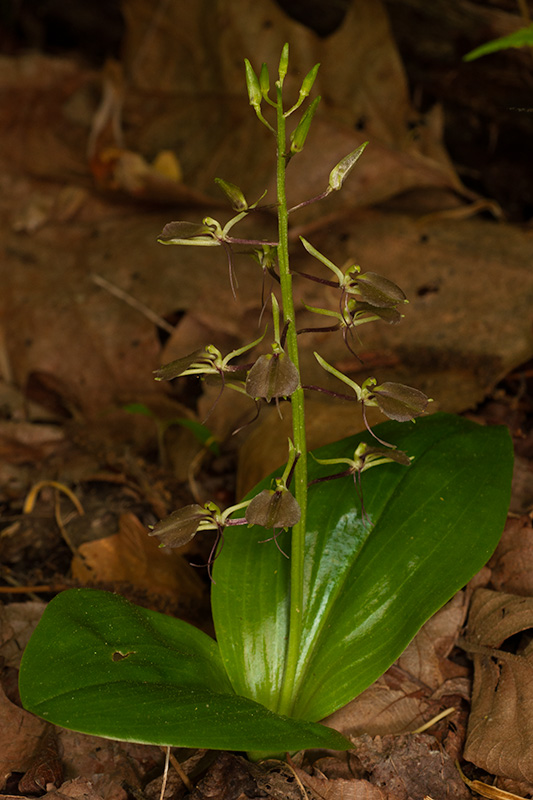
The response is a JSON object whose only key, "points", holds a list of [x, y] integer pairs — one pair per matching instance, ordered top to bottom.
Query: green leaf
{"points": [[521, 38], [139, 408], [198, 429], [201, 431], [373, 580], [100, 665]]}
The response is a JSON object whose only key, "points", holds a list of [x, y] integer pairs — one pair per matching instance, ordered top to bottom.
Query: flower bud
{"points": [[283, 63], [264, 80], [308, 81], [252, 84], [299, 135], [343, 168], [233, 193]]}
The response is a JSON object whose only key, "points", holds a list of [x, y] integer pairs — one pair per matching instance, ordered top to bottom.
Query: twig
{"points": [[524, 11], [131, 301], [31, 497], [17, 589], [437, 718], [165, 773], [184, 777], [485, 789]]}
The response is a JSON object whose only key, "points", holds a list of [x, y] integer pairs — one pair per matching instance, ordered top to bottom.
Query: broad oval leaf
{"points": [[370, 582], [100, 665]]}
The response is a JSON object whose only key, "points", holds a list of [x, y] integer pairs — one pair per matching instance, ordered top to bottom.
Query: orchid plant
{"points": [[314, 594]]}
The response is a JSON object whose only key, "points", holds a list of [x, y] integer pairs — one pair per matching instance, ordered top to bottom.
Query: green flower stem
{"points": [[287, 697]]}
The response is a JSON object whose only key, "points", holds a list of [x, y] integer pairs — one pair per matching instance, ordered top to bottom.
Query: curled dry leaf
{"points": [[500, 728], [46, 768]]}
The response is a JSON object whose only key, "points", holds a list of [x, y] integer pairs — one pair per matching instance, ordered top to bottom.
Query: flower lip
{"points": [[182, 232], [272, 376], [398, 402], [273, 508], [180, 526]]}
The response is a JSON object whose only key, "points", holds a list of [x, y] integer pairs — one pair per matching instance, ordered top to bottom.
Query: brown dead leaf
{"points": [[365, 96], [45, 113], [128, 173], [454, 343], [104, 351], [27, 441], [522, 488], [131, 557], [512, 563], [17, 623], [426, 658], [395, 703], [500, 729], [20, 734], [107, 764], [46, 768], [333, 788], [78, 789]]}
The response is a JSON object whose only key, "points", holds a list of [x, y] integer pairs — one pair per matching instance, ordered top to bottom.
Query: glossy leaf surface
{"points": [[371, 581], [100, 665]]}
